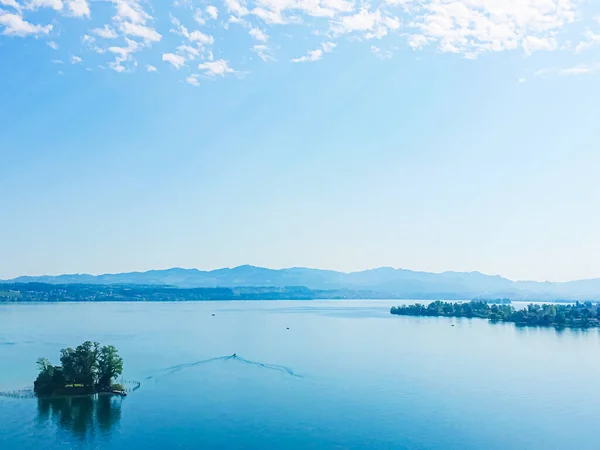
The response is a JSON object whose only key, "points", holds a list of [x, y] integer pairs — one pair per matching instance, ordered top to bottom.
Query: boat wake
{"points": [[173, 369]]}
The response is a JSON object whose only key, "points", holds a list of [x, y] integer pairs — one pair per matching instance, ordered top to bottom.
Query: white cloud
{"points": [[11, 4], [56, 5], [236, 7], [75, 8], [78, 8], [130, 10], [212, 11], [272, 11], [275, 16], [199, 17], [131, 21], [361, 21], [373, 24], [15, 25], [470, 27], [467, 28], [142, 31], [107, 32], [258, 34], [195, 36], [200, 38], [591, 40], [417, 41], [532, 44], [53, 45], [328, 46], [188, 52], [263, 52], [380, 53], [123, 54], [312, 55], [315, 55], [76, 59], [56, 61], [176, 61], [117, 67], [150, 68], [214, 68], [580, 69], [193, 80], [522, 80]]}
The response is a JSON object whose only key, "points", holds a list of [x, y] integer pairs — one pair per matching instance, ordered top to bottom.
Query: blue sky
{"points": [[430, 135]]}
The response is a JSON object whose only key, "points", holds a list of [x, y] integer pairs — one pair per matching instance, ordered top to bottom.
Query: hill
{"points": [[381, 282]]}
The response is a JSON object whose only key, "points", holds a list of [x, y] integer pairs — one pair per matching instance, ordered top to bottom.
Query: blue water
{"points": [[345, 375]]}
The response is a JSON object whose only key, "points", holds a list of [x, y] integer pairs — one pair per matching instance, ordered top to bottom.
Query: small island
{"points": [[578, 315], [87, 369]]}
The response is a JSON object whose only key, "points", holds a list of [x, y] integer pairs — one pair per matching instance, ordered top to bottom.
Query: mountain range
{"points": [[398, 283]]}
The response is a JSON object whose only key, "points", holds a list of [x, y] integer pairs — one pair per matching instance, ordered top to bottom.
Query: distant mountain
{"points": [[385, 280]]}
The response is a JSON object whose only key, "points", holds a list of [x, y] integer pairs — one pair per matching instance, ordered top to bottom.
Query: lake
{"points": [[345, 375]]}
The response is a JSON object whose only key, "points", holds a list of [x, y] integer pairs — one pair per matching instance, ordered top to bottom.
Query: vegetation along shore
{"points": [[578, 315]]}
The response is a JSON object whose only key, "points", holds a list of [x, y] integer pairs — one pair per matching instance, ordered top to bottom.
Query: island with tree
{"points": [[578, 315], [87, 369]]}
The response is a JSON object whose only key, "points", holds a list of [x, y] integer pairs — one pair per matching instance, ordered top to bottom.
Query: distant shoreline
{"points": [[299, 283], [38, 293]]}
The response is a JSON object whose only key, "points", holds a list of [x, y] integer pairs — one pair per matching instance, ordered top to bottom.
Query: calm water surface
{"points": [[345, 375]]}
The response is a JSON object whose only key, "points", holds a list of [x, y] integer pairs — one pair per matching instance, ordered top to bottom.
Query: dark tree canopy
{"points": [[110, 365], [87, 368]]}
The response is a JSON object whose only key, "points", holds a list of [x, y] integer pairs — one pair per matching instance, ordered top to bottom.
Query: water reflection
{"points": [[84, 416]]}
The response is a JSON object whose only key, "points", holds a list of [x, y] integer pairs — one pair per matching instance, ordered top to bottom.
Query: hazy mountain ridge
{"points": [[396, 282]]}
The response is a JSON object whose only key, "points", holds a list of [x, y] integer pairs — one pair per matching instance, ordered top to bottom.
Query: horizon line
{"points": [[291, 268]]}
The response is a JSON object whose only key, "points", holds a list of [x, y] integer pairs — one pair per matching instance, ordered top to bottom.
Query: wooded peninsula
{"points": [[578, 315]]}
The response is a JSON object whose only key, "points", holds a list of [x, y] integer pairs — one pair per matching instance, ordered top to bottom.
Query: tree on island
{"points": [[88, 368]]}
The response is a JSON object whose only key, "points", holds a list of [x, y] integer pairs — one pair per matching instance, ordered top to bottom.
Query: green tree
{"points": [[110, 365], [44, 366], [80, 366], [49, 379]]}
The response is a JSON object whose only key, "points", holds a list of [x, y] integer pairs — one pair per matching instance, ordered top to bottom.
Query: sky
{"points": [[429, 135]]}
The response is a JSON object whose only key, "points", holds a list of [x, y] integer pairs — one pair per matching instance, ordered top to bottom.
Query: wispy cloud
{"points": [[212, 11], [15, 25], [466, 28], [105, 32], [264, 52], [380, 53], [317, 54], [176, 61], [216, 68], [579, 69], [193, 80]]}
